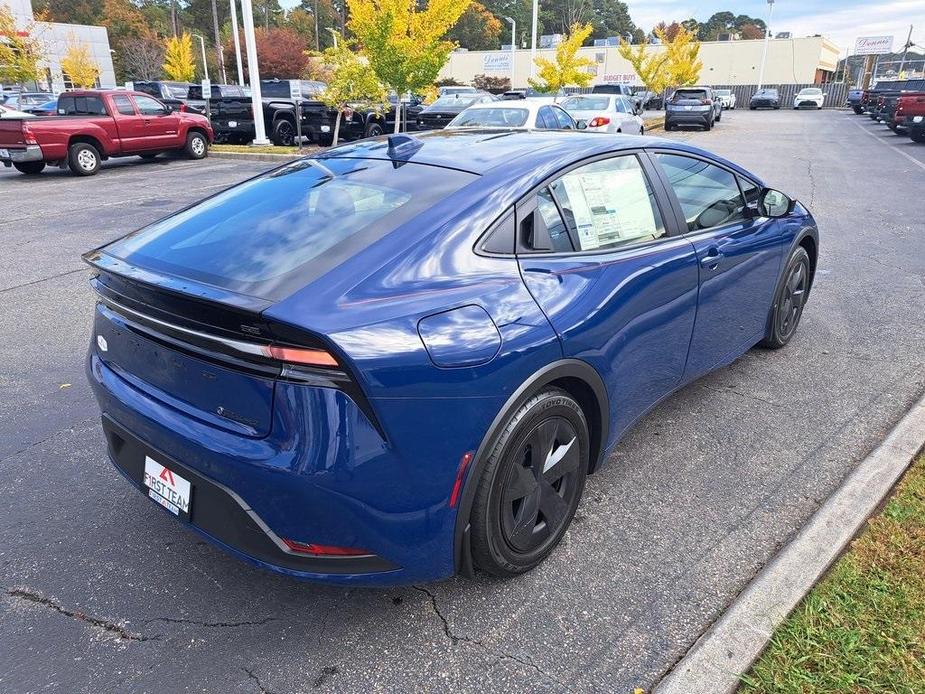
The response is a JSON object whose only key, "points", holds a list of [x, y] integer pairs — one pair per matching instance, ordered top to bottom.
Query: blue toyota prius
{"points": [[399, 359]]}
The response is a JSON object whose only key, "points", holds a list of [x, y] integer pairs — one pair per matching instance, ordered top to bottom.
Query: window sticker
{"points": [[610, 206]]}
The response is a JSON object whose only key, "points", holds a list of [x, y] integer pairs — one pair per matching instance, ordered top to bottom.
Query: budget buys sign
{"points": [[873, 45]]}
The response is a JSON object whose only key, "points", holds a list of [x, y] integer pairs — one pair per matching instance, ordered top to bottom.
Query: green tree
{"points": [[611, 18], [477, 29], [404, 43], [19, 54], [178, 58], [569, 67], [351, 84]]}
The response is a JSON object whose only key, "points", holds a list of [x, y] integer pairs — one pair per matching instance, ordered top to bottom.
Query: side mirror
{"points": [[581, 124], [773, 203]]}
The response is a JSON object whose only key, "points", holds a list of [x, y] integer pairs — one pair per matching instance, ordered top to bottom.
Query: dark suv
{"points": [[693, 106]]}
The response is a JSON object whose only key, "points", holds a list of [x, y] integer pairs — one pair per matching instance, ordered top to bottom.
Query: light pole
{"points": [[536, 11], [510, 20], [317, 38], [767, 40], [237, 42], [205, 67], [253, 72]]}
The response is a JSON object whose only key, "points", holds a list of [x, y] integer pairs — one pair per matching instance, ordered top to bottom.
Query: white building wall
{"points": [[55, 38], [789, 61]]}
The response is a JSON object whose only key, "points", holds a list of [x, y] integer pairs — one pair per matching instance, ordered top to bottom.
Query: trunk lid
{"points": [[11, 133]]}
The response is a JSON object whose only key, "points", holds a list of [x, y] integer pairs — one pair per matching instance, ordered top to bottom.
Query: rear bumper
{"points": [[688, 117], [23, 154]]}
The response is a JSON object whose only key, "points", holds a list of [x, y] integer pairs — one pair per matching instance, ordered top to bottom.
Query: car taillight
{"points": [[705, 102], [598, 121], [28, 135], [300, 355]]}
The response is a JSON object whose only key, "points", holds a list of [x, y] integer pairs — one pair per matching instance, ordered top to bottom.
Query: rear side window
{"points": [[123, 105], [80, 106], [709, 195], [604, 205], [276, 233]]}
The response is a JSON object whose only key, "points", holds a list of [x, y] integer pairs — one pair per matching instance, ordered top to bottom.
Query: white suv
{"points": [[727, 98]]}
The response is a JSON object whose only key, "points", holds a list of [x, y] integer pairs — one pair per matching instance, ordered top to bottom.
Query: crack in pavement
{"points": [[44, 279], [47, 438], [106, 625], [217, 625], [499, 655], [263, 690]]}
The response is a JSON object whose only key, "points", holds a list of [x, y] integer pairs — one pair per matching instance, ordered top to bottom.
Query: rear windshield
{"points": [[275, 89], [177, 90], [722, 92], [690, 94], [586, 103], [80, 106], [500, 117], [275, 233]]}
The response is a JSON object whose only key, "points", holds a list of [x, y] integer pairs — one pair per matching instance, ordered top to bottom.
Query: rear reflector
{"points": [[299, 355], [460, 476], [324, 550]]}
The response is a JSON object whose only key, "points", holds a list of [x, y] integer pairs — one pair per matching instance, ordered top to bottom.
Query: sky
{"points": [[840, 20]]}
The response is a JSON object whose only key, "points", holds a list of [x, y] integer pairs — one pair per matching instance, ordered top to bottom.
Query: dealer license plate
{"points": [[167, 488]]}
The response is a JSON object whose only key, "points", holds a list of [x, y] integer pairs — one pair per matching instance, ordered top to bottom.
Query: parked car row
{"points": [[899, 104]]}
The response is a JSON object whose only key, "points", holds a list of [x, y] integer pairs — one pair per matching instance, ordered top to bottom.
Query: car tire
{"points": [[751, 108], [858, 110], [719, 117], [708, 126], [373, 129], [283, 133], [917, 136], [197, 146], [83, 159], [30, 168], [789, 301], [524, 501]]}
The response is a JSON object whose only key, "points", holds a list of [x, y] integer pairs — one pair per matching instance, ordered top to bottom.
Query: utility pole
{"points": [[513, 24], [767, 40], [237, 42], [218, 43], [909, 44], [205, 66], [253, 72]]}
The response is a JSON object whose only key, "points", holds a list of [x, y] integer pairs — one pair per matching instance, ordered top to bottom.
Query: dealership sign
{"points": [[873, 45], [496, 62]]}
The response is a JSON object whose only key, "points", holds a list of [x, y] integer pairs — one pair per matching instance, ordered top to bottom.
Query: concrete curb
{"points": [[256, 156], [728, 649]]}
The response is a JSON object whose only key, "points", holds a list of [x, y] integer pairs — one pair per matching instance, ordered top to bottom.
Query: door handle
{"points": [[711, 260]]}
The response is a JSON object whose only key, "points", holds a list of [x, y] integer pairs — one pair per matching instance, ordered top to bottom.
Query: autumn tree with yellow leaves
{"points": [[403, 41], [20, 51], [178, 58], [648, 63], [682, 64], [78, 66], [568, 68], [351, 84]]}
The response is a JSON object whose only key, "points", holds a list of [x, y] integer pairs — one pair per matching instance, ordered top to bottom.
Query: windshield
{"points": [[177, 91], [810, 91], [722, 92], [766, 92], [34, 99], [455, 101], [586, 103], [498, 117], [276, 233]]}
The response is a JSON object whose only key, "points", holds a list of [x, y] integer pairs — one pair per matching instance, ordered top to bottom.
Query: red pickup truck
{"points": [[910, 114], [92, 126]]}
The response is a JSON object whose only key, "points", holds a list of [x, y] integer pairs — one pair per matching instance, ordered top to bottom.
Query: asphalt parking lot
{"points": [[102, 592]]}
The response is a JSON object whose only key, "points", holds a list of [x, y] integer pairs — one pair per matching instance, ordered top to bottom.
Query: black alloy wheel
{"points": [[374, 129], [283, 133], [790, 300], [531, 485]]}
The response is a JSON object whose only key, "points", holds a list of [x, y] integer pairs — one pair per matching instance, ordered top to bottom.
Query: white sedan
{"points": [[810, 97], [605, 113], [523, 114]]}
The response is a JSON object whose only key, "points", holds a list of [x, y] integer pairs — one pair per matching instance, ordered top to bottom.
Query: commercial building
{"points": [[55, 38], [810, 60]]}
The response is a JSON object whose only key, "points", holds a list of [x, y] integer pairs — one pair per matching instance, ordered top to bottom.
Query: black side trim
{"points": [[563, 368], [225, 516]]}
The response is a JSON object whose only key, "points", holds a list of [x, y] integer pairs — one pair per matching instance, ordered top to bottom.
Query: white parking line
{"points": [[893, 147]]}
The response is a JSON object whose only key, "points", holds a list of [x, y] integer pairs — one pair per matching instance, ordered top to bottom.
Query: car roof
{"points": [[518, 151]]}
